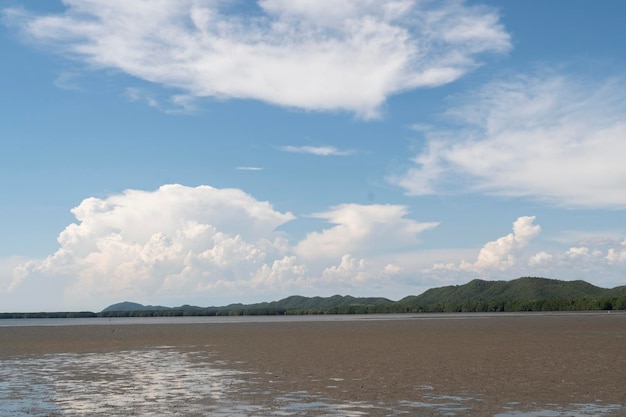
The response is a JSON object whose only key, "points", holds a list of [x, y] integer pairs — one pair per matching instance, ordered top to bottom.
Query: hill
{"points": [[527, 288], [522, 294], [292, 302], [328, 302], [128, 306]]}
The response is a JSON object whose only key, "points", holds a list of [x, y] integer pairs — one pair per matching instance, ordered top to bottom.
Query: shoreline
{"points": [[245, 318]]}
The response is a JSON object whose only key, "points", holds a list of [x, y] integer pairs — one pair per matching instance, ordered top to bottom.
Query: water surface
{"points": [[285, 318]]}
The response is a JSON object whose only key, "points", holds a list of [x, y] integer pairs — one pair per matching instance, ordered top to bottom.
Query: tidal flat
{"points": [[531, 365]]}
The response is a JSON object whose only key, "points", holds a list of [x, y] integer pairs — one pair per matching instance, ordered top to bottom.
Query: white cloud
{"points": [[321, 12], [319, 55], [68, 81], [138, 94], [179, 103], [554, 138], [316, 150], [249, 168], [362, 230], [175, 240], [204, 245], [208, 246], [577, 252], [500, 254], [616, 255], [512, 256], [540, 258], [598, 265], [349, 268], [352, 273], [283, 275], [10, 278]]}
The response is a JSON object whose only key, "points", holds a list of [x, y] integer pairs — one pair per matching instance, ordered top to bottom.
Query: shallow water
{"points": [[287, 318], [167, 381]]}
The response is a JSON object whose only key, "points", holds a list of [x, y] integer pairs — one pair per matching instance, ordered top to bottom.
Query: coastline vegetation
{"points": [[581, 304]]}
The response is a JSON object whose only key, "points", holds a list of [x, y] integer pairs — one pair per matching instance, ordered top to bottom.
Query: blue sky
{"points": [[209, 152]]}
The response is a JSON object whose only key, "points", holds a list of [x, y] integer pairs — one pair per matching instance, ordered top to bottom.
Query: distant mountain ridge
{"points": [[527, 289]]}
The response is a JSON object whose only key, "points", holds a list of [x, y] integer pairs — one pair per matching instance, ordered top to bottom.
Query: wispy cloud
{"points": [[310, 55], [68, 81], [138, 94], [173, 105], [554, 138], [316, 150], [250, 168]]}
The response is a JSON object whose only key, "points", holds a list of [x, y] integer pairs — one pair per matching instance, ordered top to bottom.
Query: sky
{"points": [[209, 152]]}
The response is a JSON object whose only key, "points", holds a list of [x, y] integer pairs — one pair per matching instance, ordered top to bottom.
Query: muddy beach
{"points": [[572, 364]]}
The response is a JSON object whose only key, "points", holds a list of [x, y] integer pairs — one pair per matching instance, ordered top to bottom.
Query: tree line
{"points": [[560, 304]]}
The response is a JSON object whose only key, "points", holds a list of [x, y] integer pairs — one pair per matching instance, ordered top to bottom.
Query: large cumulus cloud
{"points": [[175, 241], [208, 245]]}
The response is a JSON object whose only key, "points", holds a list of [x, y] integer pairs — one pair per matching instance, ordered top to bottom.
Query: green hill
{"points": [[527, 288], [619, 291], [522, 294], [297, 301], [290, 303], [128, 306]]}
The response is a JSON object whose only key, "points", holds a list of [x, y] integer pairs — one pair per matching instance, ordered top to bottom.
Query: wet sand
{"points": [[531, 360]]}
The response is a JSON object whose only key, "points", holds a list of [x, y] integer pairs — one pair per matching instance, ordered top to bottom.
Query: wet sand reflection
{"points": [[169, 381]]}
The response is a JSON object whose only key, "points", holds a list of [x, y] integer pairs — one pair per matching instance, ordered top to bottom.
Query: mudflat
{"points": [[530, 360]]}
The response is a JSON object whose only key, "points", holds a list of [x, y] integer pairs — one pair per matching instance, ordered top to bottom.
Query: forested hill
{"points": [[521, 289], [522, 294], [293, 302], [300, 302], [128, 306]]}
